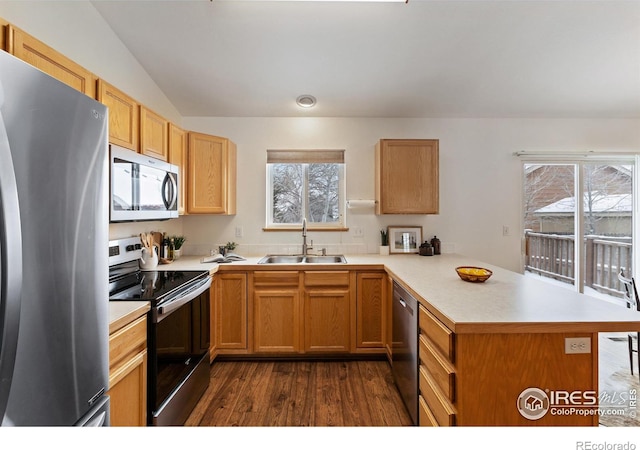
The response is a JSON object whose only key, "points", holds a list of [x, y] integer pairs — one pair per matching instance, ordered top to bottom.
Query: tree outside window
{"points": [[305, 184]]}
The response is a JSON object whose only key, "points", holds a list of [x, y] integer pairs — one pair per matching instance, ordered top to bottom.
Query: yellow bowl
{"points": [[473, 274]]}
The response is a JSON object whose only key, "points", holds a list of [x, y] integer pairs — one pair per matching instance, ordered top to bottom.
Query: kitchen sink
{"points": [[281, 259], [299, 259], [328, 259]]}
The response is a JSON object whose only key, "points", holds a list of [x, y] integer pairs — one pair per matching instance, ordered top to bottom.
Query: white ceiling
{"points": [[427, 58]]}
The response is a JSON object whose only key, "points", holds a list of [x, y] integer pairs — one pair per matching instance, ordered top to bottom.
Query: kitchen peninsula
{"points": [[481, 345]]}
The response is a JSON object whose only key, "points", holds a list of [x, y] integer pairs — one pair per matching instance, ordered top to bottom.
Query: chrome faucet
{"points": [[305, 247]]}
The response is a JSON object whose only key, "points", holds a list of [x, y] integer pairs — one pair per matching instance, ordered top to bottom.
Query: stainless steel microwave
{"points": [[141, 188]]}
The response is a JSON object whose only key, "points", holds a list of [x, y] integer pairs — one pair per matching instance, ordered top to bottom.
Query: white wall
{"points": [[480, 180]]}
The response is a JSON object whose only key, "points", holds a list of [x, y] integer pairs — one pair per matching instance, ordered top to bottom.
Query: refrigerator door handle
{"points": [[10, 265]]}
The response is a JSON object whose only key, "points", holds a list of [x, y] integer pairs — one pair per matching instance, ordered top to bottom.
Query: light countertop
{"points": [[508, 302], [123, 313]]}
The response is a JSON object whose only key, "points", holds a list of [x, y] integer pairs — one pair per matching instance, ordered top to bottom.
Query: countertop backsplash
{"points": [[190, 249], [199, 249]]}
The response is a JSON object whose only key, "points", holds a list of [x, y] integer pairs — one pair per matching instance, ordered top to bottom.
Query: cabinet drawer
{"points": [[276, 278], [329, 278], [439, 334], [129, 340], [440, 369], [438, 404], [425, 416]]}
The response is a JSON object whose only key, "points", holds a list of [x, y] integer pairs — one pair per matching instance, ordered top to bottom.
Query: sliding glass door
{"points": [[549, 221], [581, 244]]}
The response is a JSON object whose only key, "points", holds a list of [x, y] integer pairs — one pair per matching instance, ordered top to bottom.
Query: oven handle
{"points": [[167, 308]]}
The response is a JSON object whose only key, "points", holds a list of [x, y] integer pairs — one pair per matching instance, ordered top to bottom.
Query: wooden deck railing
{"points": [[551, 255]]}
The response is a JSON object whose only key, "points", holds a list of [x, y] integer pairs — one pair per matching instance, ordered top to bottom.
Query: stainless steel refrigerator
{"points": [[53, 245]]}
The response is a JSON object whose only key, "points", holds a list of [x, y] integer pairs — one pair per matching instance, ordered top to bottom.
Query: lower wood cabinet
{"points": [[371, 311], [295, 312], [229, 313], [327, 317], [277, 319], [436, 372], [128, 374], [476, 379]]}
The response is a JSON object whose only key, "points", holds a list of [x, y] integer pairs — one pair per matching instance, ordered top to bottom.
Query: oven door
{"points": [[142, 188], [178, 360]]}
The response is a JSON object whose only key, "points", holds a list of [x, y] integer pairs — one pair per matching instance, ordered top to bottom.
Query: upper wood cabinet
{"points": [[4, 26], [43, 57], [123, 115], [154, 134], [178, 157], [212, 175], [406, 180]]}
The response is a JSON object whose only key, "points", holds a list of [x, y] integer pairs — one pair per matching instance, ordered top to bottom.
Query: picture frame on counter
{"points": [[404, 239]]}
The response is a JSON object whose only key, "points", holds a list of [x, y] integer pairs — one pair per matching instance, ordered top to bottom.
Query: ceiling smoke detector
{"points": [[306, 101]]}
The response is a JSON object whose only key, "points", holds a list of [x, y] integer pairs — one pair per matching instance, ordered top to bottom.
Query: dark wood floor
{"points": [[300, 393], [344, 393]]}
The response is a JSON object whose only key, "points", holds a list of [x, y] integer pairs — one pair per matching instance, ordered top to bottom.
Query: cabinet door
{"points": [[4, 42], [48, 60], [123, 115], [154, 135], [178, 157], [211, 176], [407, 176], [370, 310], [229, 318], [326, 320], [277, 321], [128, 374], [128, 393]]}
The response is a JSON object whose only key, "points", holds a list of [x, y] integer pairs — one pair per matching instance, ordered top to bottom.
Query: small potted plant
{"points": [[384, 242], [177, 246], [230, 246]]}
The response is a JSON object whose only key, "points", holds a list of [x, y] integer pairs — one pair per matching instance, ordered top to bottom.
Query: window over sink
{"points": [[305, 184]]}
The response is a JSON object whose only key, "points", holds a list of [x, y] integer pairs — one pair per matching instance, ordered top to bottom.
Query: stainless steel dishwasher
{"points": [[405, 348]]}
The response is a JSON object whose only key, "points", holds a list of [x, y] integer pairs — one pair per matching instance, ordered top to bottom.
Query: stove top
{"points": [[128, 282], [153, 286]]}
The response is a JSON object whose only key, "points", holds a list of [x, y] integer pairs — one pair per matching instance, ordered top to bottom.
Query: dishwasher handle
{"points": [[404, 304]]}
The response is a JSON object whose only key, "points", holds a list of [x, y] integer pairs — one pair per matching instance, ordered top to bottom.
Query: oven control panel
{"points": [[124, 250]]}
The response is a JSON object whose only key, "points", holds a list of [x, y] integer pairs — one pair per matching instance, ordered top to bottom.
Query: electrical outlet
{"points": [[505, 230], [239, 232], [358, 232], [577, 345]]}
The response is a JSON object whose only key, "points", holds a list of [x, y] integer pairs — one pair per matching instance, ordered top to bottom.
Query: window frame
{"points": [[305, 158]]}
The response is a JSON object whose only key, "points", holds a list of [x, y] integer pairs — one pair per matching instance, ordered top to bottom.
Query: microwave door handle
{"points": [[169, 189], [10, 265]]}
